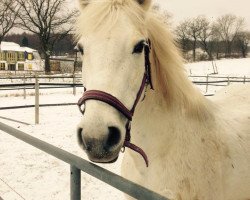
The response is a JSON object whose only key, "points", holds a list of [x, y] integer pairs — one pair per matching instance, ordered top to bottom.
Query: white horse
{"points": [[197, 149]]}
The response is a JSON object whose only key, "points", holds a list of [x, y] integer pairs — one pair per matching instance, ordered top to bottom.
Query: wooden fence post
{"points": [[228, 80], [207, 83], [74, 86], [24, 87], [36, 100]]}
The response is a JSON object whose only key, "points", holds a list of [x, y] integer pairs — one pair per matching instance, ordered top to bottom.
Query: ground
{"points": [[27, 173], [35, 175]]}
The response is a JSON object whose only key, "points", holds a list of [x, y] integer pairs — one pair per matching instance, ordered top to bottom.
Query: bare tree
{"points": [[7, 17], [50, 20], [228, 27], [195, 28], [191, 30], [182, 35], [205, 36], [242, 41]]}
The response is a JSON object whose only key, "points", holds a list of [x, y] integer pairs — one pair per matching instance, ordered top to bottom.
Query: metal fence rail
{"points": [[39, 77], [42, 84], [40, 105], [77, 164]]}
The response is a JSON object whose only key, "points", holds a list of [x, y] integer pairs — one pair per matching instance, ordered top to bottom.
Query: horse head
{"points": [[114, 46]]}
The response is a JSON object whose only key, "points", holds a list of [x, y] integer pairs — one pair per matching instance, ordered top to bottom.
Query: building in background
{"points": [[13, 57]]}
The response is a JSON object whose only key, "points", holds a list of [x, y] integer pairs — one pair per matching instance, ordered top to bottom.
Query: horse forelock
{"points": [[101, 16]]}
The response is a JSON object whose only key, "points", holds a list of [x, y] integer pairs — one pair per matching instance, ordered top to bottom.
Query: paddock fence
{"points": [[74, 81], [218, 81], [45, 82], [78, 164]]}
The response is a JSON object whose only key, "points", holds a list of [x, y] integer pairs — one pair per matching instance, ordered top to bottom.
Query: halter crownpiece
{"points": [[117, 104]]}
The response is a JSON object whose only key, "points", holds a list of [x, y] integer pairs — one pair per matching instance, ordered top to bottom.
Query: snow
{"points": [[11, 46], [228, 67], [28, 173], [36, 175]]}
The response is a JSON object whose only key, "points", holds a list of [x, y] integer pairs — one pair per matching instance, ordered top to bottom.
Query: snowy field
{"points": [[226, 67], [27, 173], [34, 175]]}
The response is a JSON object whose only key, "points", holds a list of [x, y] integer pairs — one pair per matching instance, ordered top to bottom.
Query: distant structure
{"points": [[13, 57]]}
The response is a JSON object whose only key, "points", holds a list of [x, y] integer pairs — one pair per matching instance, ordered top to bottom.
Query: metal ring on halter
{"points": [[82, 110], [123, 149]]}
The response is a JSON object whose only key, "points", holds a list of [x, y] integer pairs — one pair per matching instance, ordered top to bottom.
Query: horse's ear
{"points": [[83, 3], [145, 3]]}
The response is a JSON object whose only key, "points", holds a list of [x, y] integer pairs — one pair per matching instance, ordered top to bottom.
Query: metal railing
{"points": [[76, 79], [78, 164]]}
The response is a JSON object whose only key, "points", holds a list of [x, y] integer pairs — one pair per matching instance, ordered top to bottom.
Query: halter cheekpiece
{"points": [[116, 103]]}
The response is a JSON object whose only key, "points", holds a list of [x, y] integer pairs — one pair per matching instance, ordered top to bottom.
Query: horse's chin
{"points": [[104, 161]]}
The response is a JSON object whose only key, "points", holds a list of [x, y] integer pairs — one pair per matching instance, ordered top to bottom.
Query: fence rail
{"points": [[39, 77], [226, 79], [223, 80], [42, 84], [40, 105], [77, 164]]}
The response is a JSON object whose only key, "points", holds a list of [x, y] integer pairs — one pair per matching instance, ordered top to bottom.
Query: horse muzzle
{"points": [[101, 150]]}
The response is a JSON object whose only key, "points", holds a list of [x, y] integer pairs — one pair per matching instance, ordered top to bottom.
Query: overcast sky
{"points": [[181, 9]]}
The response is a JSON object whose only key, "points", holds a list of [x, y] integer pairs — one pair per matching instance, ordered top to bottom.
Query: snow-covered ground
{"points": [[226, 67], [232, 68], [28, 173], [33, 174]]}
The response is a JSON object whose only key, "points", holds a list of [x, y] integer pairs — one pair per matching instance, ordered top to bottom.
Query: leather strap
{"points": [[107, 98]]}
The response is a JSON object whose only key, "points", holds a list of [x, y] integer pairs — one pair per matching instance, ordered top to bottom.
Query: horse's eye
{"points": [[139, 47], [80, 48]]}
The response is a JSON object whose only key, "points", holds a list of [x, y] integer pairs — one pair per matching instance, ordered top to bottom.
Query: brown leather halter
{"points": [[113, 101]]}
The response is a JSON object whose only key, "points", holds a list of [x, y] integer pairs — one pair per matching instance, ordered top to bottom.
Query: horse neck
{"points": [[175, 108], [156, 123]]}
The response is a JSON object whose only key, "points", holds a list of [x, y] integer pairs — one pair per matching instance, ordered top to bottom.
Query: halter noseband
{"points": [[113, 101]]}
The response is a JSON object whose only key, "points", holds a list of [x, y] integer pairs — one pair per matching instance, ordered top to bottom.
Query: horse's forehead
{"points": [[118, 34]]}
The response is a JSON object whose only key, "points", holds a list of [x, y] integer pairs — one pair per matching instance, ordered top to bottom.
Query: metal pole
{"points": [[207, 84], [74, 87], [24, 88], [36, 101], [75, 183]]}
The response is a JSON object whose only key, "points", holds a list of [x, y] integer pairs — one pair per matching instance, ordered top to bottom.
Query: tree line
{"points": [[48, 27], [224, 37]]}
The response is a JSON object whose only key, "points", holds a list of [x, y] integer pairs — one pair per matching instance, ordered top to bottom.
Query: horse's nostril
{"points": [[79, 135], [114, 137], [81, 141]]}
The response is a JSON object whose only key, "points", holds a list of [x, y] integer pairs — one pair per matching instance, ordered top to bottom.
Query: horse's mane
{"points": [[169, 74], [169, 77]]}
